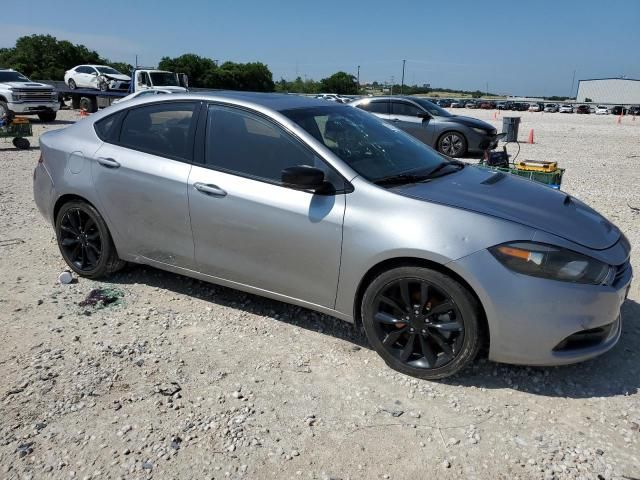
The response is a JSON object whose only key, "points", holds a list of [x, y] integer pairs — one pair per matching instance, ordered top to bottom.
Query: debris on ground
{"points": [[101, 297]]}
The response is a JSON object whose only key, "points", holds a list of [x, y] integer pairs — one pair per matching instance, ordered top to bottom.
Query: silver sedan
{"points": [[327, 207]]}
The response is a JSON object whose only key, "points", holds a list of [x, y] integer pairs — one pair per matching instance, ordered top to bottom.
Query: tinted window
{"points": [[84, 70], [380, 106], [402, 108], [107, 128], [163, 129], [243, 143], [372, 147]]}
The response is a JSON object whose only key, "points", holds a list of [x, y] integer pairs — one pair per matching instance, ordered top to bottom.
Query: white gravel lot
{"points": [[183, 379]]}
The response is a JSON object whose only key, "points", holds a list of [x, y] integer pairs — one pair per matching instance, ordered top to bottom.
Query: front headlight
{"points": [[15, 97], [481, 131], [547, 261]]}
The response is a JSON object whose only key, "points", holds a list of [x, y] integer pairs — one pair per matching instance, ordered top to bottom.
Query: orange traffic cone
{"points": [[83, 113], [495, 115], [619, 119], [530, 140]]}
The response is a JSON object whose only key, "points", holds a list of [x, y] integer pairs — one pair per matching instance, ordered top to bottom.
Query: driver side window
{"points": [[406, 109], [240, 142]]}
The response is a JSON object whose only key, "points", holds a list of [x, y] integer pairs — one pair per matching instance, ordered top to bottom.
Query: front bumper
{"points": [[33, 107], [478, 142], [535, 321]]}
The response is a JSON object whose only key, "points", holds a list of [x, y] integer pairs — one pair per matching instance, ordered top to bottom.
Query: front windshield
{"points": [[108, 70], [12, 77], [164, 79], [431, 107], [373, 148]]}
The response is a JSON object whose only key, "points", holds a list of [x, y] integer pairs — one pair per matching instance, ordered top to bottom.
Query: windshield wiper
{"points": [[450, 163], [405, 178], [401, 179]]}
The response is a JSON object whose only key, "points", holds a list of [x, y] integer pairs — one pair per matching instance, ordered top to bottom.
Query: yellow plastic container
{"points": [[537, 166]]}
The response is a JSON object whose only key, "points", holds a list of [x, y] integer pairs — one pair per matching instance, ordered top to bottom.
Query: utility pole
{"points": [[136, 60], [358, 78], [392, 80], [572, 82], [402, 84], [487, 90]]}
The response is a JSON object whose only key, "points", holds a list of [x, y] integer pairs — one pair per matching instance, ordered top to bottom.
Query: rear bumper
{"points": [[44, 192], [534, 321]]}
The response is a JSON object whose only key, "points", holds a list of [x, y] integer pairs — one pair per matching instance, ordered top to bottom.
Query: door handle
{"points": [[395, 119], [108, 162], [210, 189]]}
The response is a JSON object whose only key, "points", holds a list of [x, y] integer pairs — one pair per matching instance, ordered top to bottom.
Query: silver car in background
{"points": [[453, 135], [327, 207]]}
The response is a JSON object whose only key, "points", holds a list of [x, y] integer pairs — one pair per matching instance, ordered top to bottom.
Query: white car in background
{"points": [[100, 77], [140, 94], [535, 107], [565, 109], [602, 110]]}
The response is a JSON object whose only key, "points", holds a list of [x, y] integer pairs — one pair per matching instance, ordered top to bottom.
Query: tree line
{"points": [[44, 57]]}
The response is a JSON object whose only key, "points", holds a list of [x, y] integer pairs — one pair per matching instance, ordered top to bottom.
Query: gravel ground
{"points": [[183, 379]]}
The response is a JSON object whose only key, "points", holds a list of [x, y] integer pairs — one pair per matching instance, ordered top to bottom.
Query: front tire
{"points": [[72, 84], [452, 144], [85, 242], [421, 322]]}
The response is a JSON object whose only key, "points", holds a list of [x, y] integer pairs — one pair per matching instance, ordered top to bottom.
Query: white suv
{"points": [[99, 77], [18, 94], [602, 110]]}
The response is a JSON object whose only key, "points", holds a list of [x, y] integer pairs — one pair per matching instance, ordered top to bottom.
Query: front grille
{"points": [[34, 94], [621, 271]]}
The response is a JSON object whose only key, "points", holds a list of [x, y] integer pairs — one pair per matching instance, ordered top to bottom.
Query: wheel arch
{"points": [[390, 263]]}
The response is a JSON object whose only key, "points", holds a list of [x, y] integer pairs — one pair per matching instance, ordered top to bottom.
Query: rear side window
{"points": [[107, 128], [164, 129]]}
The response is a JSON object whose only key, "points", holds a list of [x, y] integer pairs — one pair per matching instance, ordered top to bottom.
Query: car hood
{"points": [[121, 77], [27, 85], [469, 122], [518, 200]]}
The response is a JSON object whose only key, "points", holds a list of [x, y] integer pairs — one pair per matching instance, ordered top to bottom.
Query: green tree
{"points": [[46, 57], [122, 67], [196, 67], [341, 83]]}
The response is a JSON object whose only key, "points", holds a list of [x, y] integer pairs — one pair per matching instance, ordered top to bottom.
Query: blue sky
{"points": [[518, 47]]}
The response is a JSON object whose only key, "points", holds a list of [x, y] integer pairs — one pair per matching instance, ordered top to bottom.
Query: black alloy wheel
{"points": [[452, 144], [85, 242], [422, 322]]}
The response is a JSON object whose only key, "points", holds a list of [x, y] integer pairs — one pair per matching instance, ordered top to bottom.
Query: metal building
{"points": [[619, 91]]}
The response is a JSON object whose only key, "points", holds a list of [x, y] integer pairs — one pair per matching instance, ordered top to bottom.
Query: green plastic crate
{"points": [[551, 179]]}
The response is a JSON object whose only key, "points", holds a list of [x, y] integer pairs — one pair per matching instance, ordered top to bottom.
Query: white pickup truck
{"points": [[144, 79], [20, 95]]}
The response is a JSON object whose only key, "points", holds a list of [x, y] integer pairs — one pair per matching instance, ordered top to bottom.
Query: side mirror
{"points": [[424, 116], [303, 177]]}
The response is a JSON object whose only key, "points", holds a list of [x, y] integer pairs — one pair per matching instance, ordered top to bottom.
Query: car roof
{"points": [[274, 101]]}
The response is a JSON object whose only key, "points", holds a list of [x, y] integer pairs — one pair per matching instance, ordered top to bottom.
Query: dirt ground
{"points": [[183, 379]]}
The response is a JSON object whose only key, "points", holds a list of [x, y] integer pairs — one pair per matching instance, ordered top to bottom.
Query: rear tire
{"points": [[88, 104], [21, 143], [85, 242], [441, 321]]}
